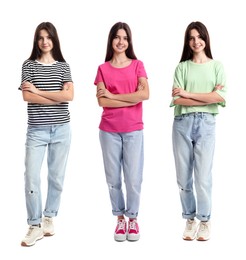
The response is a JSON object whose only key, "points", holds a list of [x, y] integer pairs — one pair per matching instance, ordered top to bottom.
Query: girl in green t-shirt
{"points": [[199, 88]]}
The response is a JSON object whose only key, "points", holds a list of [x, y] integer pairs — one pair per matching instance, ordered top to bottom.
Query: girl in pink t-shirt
{"points": [[122, 85]]}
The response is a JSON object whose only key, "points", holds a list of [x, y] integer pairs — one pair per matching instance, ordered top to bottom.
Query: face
{"points": [[120, 42], [45, 43], [196, 43]]}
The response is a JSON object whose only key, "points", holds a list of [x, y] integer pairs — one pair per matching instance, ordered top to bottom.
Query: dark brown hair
{"points": [[112, 34], [56, 51], [187, 53]]}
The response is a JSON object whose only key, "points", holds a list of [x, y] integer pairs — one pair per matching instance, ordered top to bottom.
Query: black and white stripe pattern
{"points": [[49, 78]]}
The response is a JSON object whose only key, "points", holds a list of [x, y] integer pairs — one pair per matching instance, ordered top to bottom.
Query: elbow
{"points": [[26, 96], [145, 96], [70, 98], [218, 100], [100, 103]]}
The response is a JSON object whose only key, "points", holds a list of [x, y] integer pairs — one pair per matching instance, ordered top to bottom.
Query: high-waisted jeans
{"points": [[55, 141], [193, 147], [123, 152]]}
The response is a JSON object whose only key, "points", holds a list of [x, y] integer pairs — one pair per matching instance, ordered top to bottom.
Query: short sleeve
{"points": [[141, 72], [25, 73], [67, 73], [99, 76], [221, 80], [178, 81]]}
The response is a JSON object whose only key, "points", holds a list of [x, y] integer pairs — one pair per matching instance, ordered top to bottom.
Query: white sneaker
{"points": [[48, 226], [190, 230], [204, 230], [34, 233]]}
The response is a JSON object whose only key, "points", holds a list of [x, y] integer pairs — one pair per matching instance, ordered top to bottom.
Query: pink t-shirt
{"points": [[121, 81]]}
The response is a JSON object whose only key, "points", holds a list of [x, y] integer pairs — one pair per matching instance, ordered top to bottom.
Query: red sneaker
{"points": [[120, 230], [133, 230]]}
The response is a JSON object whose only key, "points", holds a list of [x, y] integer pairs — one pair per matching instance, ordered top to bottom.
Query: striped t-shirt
{"points": [[48, 77]]}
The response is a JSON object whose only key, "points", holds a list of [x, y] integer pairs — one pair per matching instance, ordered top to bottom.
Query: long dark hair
{"points": [[112, 34], [56, 51], [187, 53]]}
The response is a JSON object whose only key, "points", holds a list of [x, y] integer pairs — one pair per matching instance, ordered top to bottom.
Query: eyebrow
{"points": [[125, 36]]}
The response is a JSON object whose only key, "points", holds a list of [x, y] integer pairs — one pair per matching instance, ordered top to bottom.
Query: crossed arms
{"points": [[32, 94], [107, 99], [196, 99]]}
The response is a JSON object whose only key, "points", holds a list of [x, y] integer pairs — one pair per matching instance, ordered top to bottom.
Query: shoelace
{"points": [[47, 221], [121, 225], [132, 225], [189, 225], [203, 226], [30, 230]]}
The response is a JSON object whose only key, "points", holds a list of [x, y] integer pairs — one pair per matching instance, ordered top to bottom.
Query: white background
{"points": [[85, 225]]}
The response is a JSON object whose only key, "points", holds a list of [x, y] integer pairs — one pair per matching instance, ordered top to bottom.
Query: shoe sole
{"points": [[133, 237], [120, 238], [189, 238], [202, 239], [27, 245]]}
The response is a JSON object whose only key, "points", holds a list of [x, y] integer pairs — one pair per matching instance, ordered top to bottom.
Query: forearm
{"points": [[141, 94], [64, 95], [59, 96], [135, 97], [34, 98], [208, 98], [106, 102], [189, 102]]}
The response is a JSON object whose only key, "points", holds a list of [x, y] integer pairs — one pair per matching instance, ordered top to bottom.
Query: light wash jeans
{"points": [[56, 141], [193, 147], [123, 152]]}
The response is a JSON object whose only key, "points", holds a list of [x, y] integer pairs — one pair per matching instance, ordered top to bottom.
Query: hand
{"points": [[67, 85], [27, 86], [140, 86], [218, 87], [180, 92], [104, 93]]}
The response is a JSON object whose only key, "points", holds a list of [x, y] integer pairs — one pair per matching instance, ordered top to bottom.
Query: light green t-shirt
{"points": [[199, 78]]}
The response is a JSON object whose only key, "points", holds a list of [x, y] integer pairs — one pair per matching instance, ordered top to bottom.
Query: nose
{"points": [[121, 40], [196, 40]]}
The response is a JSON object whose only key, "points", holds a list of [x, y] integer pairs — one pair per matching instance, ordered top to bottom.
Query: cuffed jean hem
{"points": [[118, 213], [125, 213], [50, 214], [131, 215], [190, 216], [202, 218], [34, 222]]}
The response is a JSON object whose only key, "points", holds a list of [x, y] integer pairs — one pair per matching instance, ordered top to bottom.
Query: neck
{"points": [[202, 58], [47, 59], [120, 61]]}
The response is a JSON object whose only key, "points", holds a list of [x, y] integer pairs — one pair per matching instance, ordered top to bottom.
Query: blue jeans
{"points": [[56, 141], [193, 147], [123, 152]]}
